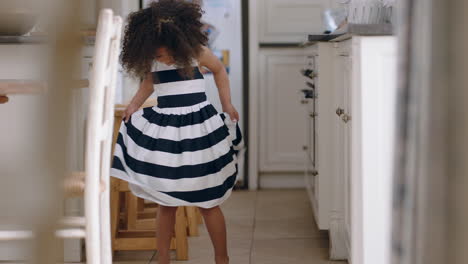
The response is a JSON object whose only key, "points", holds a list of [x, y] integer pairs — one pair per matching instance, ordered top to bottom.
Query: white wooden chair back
{"points": [[99, 138], [98, 148]]}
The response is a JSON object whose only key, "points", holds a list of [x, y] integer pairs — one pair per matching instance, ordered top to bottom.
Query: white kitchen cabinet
{"points": [[288, 21], [365, 92], [319, 115], [282, 127], [341, 129]]}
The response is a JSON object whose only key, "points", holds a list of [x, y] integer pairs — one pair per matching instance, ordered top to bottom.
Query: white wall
{"points": [[230, 38]]}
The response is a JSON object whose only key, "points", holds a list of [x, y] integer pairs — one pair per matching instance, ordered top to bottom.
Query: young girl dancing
{"points": [[180, 152]]}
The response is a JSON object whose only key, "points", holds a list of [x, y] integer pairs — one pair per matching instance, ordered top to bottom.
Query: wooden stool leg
{"points": [[140, 204], [115, 206], [132, 213], [199, 216], [192, 219], [181, 234]]}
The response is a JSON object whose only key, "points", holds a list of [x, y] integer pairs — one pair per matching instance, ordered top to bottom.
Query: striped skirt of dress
{"points": [[179, 156]]}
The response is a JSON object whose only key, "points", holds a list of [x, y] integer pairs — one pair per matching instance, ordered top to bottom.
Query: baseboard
{"points": [[288, 180], [339, 247], [73, 250]]}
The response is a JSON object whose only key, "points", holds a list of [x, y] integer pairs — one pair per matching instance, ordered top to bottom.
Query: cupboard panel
{"points": [[290, 20], [282, 126]]}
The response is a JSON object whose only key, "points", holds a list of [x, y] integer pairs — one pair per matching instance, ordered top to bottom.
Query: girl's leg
{"points": [[214, 220], [166, 222]]}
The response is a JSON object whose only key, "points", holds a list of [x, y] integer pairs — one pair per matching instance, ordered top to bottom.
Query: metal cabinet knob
{"points": [[310, 85], [303, 101], [339, 111], [313, 115], [346, 118], [305, 147], [314, 173]]}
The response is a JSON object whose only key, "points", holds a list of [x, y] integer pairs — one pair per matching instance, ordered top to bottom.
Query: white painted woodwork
{"points": [[289, 21], [365, 88], [253, 95], [282, 129], [372, 147], [282, 180], [320, 186], [339, 229]]}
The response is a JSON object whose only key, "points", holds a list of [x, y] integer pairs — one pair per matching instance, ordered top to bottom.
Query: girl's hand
{"points": [[3, 99], [128, 112], [232, 112]]}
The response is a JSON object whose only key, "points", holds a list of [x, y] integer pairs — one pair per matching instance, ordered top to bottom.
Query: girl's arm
{"points": [[209, 60], [145, 90], [3, 99]]}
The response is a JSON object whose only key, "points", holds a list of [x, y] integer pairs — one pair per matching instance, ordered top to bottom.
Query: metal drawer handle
{"points": [[311, 85], [303, 101], [339, 111], [313, 115], [346, 118], [314, 173]]}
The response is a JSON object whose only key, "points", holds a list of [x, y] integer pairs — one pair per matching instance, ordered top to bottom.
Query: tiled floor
{"points": [[264, 227]]}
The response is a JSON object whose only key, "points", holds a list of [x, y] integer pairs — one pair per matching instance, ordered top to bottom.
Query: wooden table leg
{"points": [[115, 204], [132, 204], [192, 219], [181, 234]]}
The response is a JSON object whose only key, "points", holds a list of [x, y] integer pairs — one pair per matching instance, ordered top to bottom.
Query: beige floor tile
{"points": [[288, 195], [241, 204], [283, 204], [280, 222], [240, 228], [287, 228], [200, 250], [290, 251], [123, 256]]}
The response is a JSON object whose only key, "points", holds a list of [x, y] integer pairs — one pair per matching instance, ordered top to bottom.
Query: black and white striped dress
{"points": [[181, 152]]}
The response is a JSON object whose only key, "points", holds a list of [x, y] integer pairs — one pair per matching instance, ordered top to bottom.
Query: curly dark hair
{"points": [[173, 24]]}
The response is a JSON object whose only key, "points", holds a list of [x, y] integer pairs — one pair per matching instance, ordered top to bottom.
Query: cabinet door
{"points": [[290, 20], [374, 96], [344, 105], [282, 123], [346, 123], [339, 133], [340, 215]]}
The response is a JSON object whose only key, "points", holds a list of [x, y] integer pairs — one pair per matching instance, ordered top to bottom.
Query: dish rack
{"points": [[370, 11]]}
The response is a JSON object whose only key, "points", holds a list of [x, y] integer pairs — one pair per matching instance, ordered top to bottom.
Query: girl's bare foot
{"points": [[164, 259], [222, 260]]}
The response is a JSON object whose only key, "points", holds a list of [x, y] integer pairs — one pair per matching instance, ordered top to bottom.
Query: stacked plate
{"points": [[370, 11]]}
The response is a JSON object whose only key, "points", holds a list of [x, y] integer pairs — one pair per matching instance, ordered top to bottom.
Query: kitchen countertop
{"points": [[353, 29], [350, 30], [89, 37], [22, 39]]}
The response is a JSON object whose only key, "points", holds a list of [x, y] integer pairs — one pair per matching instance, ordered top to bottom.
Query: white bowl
{"points": [[17, 23]]}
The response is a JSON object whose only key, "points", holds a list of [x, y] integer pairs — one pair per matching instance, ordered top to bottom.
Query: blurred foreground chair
{"points": [[94, 181]]}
